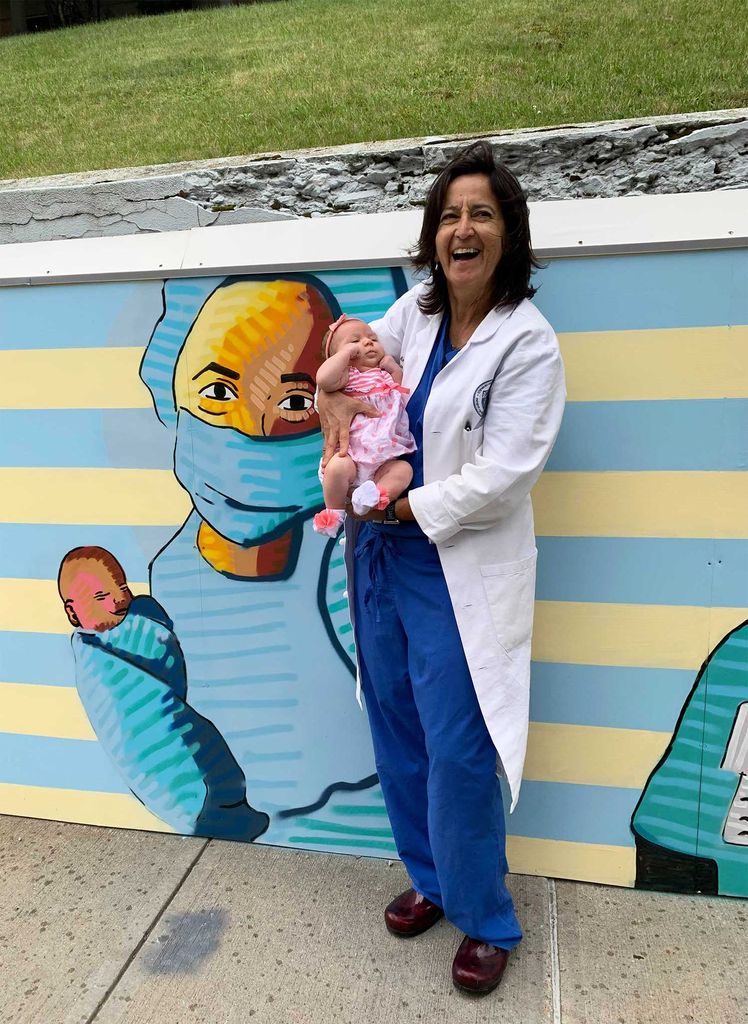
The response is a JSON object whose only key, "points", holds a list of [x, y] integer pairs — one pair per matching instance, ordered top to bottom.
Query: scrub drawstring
{"points": [[374, 545]]}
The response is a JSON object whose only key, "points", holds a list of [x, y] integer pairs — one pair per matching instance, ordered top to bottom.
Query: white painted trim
{"points": [[574, 227]]}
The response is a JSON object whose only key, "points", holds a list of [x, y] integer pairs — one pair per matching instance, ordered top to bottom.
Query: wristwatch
{"points": [[390, 516]]}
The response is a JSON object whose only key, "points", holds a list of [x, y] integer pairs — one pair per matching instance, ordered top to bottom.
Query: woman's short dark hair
{"points": [[511, 281]]}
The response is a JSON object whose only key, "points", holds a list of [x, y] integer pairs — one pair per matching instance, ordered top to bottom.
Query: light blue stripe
{"points": [[620, 293], [79, 315], [653, 435], [595, 436], [89, 438], [30, 551], [632, 570], [39, 658], [609, 696], [613, 697], [59, 764], [578, 814]]}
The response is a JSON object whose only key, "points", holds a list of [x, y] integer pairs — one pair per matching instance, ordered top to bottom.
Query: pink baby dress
{"points": [[374, 441]]}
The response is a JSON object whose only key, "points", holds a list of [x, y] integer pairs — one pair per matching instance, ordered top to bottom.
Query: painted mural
{"points": [[175, 649]]}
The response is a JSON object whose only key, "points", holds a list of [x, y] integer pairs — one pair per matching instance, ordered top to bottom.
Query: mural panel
{"points": [[158, 473]]}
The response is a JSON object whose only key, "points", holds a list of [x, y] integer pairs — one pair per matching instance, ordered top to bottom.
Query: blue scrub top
{"points": [[441, 354]]}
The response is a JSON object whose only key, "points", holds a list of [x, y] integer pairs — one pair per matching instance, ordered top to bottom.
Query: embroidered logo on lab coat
{"points": [[480, 397]]}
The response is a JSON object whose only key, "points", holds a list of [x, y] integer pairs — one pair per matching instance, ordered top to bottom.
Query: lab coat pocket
{"points": [[510, 592]]}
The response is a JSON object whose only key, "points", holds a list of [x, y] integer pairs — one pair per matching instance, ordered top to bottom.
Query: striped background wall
{"points": [[641, 518]]}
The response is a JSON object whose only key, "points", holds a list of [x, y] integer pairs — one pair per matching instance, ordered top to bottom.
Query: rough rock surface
{"points": [[673, 153]]}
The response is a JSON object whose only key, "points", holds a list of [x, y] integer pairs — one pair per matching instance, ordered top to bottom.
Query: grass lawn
{"points": [[300, 73]]}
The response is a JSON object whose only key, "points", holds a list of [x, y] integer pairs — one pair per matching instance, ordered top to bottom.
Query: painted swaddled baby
{"points": [[132, 682]]}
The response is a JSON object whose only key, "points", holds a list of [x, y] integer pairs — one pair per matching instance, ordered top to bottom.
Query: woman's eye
{"points": [[218, 392], [298, 402]]}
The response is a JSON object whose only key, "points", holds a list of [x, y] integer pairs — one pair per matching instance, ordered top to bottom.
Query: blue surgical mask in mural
{"points": [[248, 489]]}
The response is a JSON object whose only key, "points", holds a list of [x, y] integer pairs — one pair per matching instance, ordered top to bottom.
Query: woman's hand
{"points": [[336, 411], [402, 511]]}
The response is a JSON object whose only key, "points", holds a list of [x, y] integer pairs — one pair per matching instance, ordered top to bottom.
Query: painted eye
{"points": [[218, 392], [297, 402]]}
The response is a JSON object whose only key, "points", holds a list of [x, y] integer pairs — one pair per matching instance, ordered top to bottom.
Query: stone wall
{"points": [[673, 153]]}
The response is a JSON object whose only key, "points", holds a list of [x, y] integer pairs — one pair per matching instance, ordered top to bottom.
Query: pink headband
{"points": [[342, 319], [331, 330]]}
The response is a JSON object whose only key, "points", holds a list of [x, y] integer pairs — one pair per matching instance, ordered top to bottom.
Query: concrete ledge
{"points": [[653, 155]]}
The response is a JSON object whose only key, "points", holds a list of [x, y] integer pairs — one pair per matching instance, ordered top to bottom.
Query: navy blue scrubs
{"points": [[435, 757]]}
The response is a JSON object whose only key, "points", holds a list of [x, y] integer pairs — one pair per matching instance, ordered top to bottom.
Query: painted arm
{"points": [[522, 421]]}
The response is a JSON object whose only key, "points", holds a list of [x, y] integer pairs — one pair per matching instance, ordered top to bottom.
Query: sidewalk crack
{"points": [[147, 934], [553, 942]]}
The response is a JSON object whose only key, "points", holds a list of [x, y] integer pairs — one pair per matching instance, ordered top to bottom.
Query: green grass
{"points": [[304, 73]]}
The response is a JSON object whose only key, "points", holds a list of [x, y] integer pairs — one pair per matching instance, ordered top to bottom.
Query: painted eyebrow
{"points": [[217, 368], [289, 378]]}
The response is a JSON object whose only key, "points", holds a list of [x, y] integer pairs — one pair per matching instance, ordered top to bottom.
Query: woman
{"points": [[443, 579]]}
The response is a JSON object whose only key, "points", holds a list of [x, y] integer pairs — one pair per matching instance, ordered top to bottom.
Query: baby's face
{"points": [[355, 332], [95, 598]]}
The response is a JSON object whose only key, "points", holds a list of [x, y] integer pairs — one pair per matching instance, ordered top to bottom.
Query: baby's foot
{"points": [[365, 498], [384, 498], [328, 521]]}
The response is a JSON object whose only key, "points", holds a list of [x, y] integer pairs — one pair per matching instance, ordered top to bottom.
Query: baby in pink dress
{"points": [[356, 363]]}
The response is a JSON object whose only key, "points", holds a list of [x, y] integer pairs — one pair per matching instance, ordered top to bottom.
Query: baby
{"points": [[356, 363]]}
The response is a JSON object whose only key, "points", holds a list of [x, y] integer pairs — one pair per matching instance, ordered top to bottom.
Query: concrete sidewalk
{"points": [[135, 928]]}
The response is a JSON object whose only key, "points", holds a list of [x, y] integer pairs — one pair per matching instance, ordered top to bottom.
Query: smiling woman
{"points": [[443, 579]]}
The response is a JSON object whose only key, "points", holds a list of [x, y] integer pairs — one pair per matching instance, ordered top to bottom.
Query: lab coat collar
{"points": [[490, 323]]}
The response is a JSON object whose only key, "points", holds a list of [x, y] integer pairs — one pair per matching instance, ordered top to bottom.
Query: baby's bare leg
{"points": [[340, 473], [394, 477]]}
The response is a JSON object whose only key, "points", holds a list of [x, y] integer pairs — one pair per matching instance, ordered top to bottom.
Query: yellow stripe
{"points": [[690, 362], [669, 363], [74, 378], [116, 497], [642, 504], [34, 606], [573, 632], [644, 635], [33, 710], [584, 755], [590, 755], [119, 810], [585, 862], [612, 865]]}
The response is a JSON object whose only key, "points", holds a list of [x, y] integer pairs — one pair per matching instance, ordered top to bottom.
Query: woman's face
{"points": [[470, 236], [250, 359]]}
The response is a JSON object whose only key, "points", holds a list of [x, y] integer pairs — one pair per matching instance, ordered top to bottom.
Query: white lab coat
{"points": [[490, 422]]}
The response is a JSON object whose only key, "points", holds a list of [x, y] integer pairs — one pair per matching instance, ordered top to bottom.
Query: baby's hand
{"points": [[354, 350], [389, 365]]}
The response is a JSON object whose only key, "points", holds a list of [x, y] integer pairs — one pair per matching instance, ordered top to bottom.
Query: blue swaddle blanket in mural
{"points": [[132, 683]]}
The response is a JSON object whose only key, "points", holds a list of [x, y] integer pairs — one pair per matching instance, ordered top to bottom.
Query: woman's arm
{"points": [[336, 412], [522, 421]]}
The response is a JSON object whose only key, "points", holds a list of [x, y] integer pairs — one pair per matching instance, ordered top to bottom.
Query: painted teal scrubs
{"points": [[688, 821]]}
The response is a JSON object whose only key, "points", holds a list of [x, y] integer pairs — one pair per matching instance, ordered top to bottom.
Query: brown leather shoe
{"points": [[410, 914], [478, 966]]}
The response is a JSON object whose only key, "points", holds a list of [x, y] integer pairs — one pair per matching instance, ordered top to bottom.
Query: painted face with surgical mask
{"points": [[248, 440]]}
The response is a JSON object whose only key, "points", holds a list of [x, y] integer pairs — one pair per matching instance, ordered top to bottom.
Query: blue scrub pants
{"points": [[434, 755]]}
